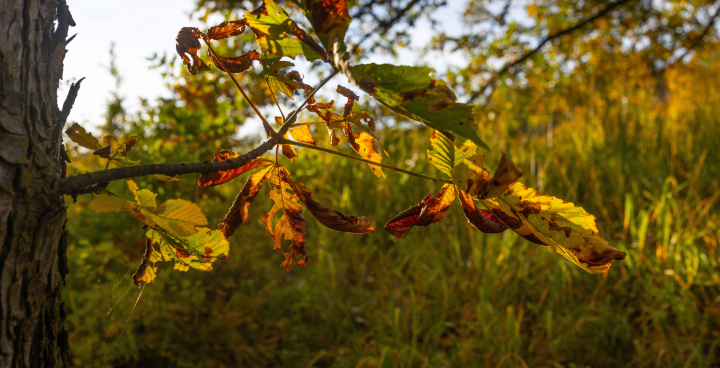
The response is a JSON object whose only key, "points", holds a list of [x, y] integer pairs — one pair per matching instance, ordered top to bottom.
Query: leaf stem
{"points": [[225, 69], [274, 98], [291, 118], [304, 145]]}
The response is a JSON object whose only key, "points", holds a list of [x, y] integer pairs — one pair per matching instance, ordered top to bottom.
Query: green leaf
{"points": [[273, 27], [282, 84], [411, 92], [197, 251]]}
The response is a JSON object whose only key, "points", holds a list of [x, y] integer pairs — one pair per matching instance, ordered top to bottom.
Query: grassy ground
{"points": [[446, 295]]}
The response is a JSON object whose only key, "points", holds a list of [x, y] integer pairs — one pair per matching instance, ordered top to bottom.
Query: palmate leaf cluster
{"points": [[176, 228]]}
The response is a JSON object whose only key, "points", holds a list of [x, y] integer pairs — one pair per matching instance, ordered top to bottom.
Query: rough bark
{"points": [[33, 256]]}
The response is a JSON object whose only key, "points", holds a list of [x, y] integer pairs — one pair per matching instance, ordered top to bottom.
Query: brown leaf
{"points": [[328, 15], [226, 29], [186, 43], [236, 64], [352, 97], [303, 134], [129, 144], [364, 145], [288, 151], [104, 152], [220, 177], [475, 180], [430, 211], [238, 212], [333, 220], [482, 220], [292, 223], [139, 274]]}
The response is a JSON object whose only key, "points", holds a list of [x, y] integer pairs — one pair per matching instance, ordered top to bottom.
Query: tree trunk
{"points": [[33, 255]]}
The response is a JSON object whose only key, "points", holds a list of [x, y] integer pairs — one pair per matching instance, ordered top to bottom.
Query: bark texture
{"points": [[33, 255]]}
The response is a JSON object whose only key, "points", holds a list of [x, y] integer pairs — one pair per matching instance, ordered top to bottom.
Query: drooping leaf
{"points": [[330, 20], [273, 27], [226, 29], [187, 44], [237, 64], [283, 84], [411, 92], [352, 97], [302, 134], [78, 135], [127, 145], [364, 145], [443, 153], [220, 177], [474, 179], [109, 203], [430, 211], [238, 212], [179, 216], [332, 219], [482, 220], [291, 224], [568, 229], [197, 251], [145, 272]]}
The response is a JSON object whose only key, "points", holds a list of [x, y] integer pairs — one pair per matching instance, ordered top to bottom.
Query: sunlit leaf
{"points": [[273, 27], [226, 29], [237, 64], [411, 92], [302, 134], [78, 135], [364, 145], [443, 153], [220, 177], [474, 179], [430, 211], [238, 212], [179, 216], [482, 220], [291, 224], [568, 229], [198, 251]]}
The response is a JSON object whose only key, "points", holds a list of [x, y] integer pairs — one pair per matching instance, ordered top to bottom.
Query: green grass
{"points": [[446, 295]]}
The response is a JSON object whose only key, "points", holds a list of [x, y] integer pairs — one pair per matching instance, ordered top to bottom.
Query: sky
{"points": [[140, 29]]}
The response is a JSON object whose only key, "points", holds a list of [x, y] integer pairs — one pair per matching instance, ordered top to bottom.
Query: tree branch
{"points": [[698, 40], [542, 43]]}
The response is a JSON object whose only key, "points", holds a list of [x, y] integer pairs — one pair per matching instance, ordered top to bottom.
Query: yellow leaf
{"points": [[78, 135], [109, 203], [179, 216]]}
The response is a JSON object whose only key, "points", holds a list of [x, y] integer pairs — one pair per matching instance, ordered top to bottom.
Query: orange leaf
{"points": [[226, 29], [236, 64], [351, 96], [303, 134], [363, 144], [220, 177], [430, 211], [238, 212], [333, 220], [482, 220], [292, 223]]}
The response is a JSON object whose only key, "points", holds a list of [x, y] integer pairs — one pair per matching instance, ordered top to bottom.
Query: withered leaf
{"points": [[330, 20], [226, 29], [186, 43], [235, 64], [352, 97], [302, 134], [128, 145], [364, 145], [220, 177], [475, 180], [430, 211], [238, 212], [332, 219], [482, 220], [291, 224], [568, 229], [142, 273]]}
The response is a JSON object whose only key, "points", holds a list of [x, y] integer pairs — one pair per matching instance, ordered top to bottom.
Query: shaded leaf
{"points": [[330, 20], [226, 29], [187, 46], [235, 64], [411, 92], [220, 177], [430, 211], [238, 212], [179, 216], [332, 219], [482, 220], [568, 229], [197, 251], [145, 273]]}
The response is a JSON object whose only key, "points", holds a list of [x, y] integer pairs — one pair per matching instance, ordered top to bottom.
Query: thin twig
{"points": [[226, 70], [496, 76], [274, 98], [309, 146]]}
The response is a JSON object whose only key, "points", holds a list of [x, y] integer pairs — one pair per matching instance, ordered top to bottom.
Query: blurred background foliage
{"points": [[621, 117]]}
